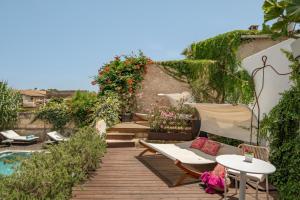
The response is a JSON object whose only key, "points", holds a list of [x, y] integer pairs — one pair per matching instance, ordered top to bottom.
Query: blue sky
{"points": [[62, 43]]}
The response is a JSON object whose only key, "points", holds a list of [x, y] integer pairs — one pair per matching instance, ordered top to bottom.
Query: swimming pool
{"points": [[9, 160]]}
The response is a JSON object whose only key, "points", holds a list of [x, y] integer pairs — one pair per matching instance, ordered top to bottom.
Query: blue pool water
{"points": [[10, 160]]}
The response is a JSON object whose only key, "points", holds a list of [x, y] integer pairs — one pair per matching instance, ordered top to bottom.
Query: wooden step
{"points": [[143, 123], [129, 127], [119, 136], [120, 143]]}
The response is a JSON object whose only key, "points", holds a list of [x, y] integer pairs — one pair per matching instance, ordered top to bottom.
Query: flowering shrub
{"points": [[122, 75], [165, 119]]}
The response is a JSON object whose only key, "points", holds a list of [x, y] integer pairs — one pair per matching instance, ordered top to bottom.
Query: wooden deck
{"points": [[125, 176]]}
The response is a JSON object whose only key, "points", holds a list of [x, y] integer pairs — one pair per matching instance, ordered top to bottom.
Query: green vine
{"points": [[213, 69], [55, 112], [282, 128]]}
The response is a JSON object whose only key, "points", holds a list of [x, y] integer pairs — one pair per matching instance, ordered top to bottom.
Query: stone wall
{"points": [[256, 45], [157, 81], [26, 126]]}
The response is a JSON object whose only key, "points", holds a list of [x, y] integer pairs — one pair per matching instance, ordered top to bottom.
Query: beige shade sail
{"points": [[231, 121]]}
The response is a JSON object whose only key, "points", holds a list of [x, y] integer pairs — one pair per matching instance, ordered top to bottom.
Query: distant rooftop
{"points": [[33, 93]]}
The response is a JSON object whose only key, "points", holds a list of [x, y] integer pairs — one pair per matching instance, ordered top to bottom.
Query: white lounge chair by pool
{"points": [[12, 135], [57, 137]]}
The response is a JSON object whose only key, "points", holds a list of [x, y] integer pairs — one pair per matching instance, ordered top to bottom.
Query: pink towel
{"points": [[214, 180]]}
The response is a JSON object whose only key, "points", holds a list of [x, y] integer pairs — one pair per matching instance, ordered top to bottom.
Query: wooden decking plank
{"points": [[125, 176]]}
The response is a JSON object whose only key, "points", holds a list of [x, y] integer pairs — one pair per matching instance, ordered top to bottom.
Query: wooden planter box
{"points": [[174, 136]]}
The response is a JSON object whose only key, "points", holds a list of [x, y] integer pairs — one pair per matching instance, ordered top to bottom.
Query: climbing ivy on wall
{"points": [[192, 69], [213, 69], [282, 128]]}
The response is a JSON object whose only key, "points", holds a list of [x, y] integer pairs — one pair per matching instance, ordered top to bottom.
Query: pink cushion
{"points": [[198, 143], [211, 147]]}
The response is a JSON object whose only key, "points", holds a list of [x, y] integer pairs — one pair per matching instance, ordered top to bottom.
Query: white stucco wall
{"points": [[274, 84]]}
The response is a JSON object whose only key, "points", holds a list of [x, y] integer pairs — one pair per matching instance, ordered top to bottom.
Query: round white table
{"points": [[236, 162]]}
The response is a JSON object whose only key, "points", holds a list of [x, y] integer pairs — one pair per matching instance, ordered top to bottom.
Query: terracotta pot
{"points": [[126, 117]]}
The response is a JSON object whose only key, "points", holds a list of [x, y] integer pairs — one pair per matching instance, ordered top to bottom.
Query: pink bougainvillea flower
{"points": [[149, 61], [106, 69], [100, 73], [130, 81], [94, 82], [130, 90]]}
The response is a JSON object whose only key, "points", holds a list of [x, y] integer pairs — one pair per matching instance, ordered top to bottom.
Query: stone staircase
{"points": [[126, 134]]}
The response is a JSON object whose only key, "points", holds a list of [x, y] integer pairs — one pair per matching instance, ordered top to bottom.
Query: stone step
{"points": [[129, 127], [119, 136], [120, 143]]}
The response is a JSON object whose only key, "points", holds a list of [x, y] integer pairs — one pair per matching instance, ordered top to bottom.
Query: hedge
{"points": [[52, 174]]}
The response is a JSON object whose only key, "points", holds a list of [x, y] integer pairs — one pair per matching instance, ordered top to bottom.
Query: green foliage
{"points": [[284, 12], [221, 48], [192, 69], [213, 69], [123, 76], [10, 101], [81, 106], [108, 108], [55, 112], [282, 128], [225, 140], [51, 175]]}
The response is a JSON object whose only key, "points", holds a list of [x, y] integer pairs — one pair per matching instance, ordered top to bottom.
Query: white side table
{"points": [[236, 162]]}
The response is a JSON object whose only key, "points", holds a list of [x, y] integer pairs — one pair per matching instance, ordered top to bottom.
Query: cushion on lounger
{"points": [[198, 143], [211, 147]]}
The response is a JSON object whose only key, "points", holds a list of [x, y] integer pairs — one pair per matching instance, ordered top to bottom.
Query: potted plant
{"points": [[287, 14], [128, 106], [171, 123], [248, 155]]}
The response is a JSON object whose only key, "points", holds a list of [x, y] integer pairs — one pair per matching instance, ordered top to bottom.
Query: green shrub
{"points": [[123, 76], [9, 106], [81, 106], [108, 108], [55, 112], [282, 128], [51, 175]]}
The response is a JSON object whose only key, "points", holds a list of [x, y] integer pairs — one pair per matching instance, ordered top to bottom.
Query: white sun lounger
{"points": [[12, 135], [57, 137], [183, 156]]}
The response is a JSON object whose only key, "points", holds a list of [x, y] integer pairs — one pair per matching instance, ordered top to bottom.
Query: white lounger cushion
{"points": [[14, 136], [56, 136], [187, 155]]}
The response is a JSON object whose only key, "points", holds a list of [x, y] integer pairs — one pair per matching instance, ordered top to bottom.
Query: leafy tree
{"points": [[285, 12], [81, 105], [9, 106], [56, 113]]}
